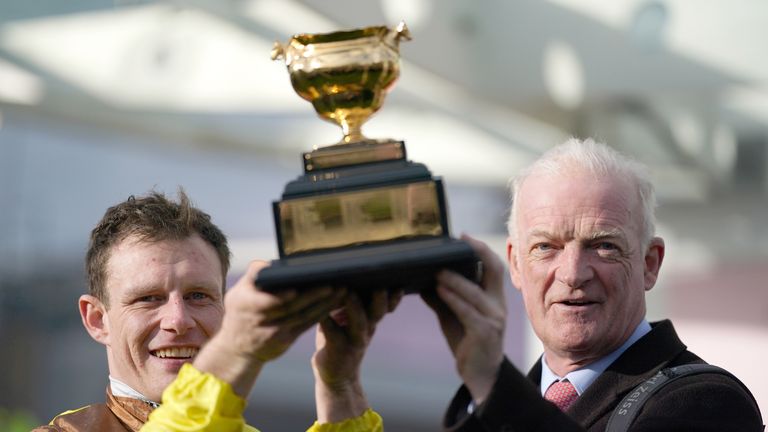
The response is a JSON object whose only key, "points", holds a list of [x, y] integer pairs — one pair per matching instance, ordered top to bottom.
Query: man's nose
{"points": [[575, 268], [176, 316]]}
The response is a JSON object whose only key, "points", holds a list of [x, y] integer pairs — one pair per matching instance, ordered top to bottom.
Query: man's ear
{"points": [[653, 259], [514, 270], [94, 316]]}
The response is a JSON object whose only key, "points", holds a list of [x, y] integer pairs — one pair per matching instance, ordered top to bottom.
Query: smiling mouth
{"points": [[175, 353]]}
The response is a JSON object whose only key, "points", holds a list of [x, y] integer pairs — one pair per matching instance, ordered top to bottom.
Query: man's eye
{"points": [[542, 247], [606, 247], [198, 296], [150, 298]]}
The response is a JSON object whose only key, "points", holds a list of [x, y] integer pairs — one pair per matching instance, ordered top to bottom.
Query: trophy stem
{"points": [[352, 132]]}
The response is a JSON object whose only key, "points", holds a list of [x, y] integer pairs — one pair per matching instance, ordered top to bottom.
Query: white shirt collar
{"points": [[583, 377], [122, 389]]}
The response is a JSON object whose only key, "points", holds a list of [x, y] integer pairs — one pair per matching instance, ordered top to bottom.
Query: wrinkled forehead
{"points": [[579, 196]]}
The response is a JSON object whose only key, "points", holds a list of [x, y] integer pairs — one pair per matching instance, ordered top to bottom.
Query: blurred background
{"points": [[101, 99]]}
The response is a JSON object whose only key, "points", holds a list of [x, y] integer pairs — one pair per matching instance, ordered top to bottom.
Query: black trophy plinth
{"points": [[363, 216]]}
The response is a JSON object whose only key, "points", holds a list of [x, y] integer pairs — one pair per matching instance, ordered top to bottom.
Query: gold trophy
{"points": [[362, 215]]}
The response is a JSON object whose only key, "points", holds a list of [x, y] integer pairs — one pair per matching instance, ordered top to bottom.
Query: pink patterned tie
{"points": [[562, 394]]}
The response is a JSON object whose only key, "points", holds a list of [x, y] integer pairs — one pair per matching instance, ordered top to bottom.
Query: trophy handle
{"points": [[402, 32], [278, 51]]}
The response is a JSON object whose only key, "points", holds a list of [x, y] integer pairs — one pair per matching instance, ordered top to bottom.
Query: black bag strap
{"points": [[626, 411]]}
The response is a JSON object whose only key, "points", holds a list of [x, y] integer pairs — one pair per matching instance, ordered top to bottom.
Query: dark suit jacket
{"points": [[708, 402]]}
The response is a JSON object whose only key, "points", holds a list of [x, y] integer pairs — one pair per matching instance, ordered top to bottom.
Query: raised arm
{"points": [[473, 317], [342, 340]]}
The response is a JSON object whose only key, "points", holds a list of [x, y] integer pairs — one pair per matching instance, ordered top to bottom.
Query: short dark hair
{"points": [[151, 218]]}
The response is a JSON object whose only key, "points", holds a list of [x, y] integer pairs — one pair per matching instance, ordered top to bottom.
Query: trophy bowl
{"points": [[344, 74]]}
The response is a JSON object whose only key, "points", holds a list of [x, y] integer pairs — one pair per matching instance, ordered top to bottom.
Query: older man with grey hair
{"points": [[582, 251]]}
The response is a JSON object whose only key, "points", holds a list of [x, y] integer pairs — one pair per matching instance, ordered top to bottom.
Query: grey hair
{"points": [[596, 158]]}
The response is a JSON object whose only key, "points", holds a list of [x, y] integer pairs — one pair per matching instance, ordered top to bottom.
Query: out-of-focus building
{"points": [[103, 99]]}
